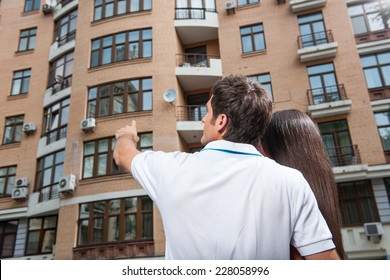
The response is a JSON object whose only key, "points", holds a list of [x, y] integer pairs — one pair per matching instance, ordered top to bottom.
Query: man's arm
{"points": [[126, 146], [326, 255]]}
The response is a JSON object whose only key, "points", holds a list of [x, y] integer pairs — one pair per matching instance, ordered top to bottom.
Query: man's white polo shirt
{"points": [[230, 202]]}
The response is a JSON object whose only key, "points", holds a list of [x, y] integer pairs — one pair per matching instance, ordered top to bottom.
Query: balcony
{"points": [[298, 6], [64, 7], [196, 25], [374, 36], [62, 45], [316, 46], [197, 71], [379, 93], [328, 101], [189, 122], [344, 155], [115, 251]]}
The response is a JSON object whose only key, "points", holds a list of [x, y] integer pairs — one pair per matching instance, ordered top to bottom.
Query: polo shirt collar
{"points": [[232, 146]]}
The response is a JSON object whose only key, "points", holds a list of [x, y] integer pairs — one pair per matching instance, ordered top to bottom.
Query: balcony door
{"points": [[312, 29], [197, 56], [323, 83], [197, 106], [337, 141]]}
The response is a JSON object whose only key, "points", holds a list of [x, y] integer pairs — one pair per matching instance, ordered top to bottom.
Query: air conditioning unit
{"points": [[230, 5], [47, 9], [88, 124], [29, 128], [22, 182], [67, 183], [19, 193], [373, 229]]}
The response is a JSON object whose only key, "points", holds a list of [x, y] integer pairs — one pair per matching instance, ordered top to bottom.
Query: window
{"points": [[246, 2], [31, 5], [110, 8], [193, 9], [369, 17], [65, 28], [312, 29], [252, 38], [27, 39], [130, 45], [376, 69], [61, 70], [265, 80], [21, 82], [323, 83], [120, 97], [196, 107], [56, 121], [383, 123], [13, 129], [337, 141], [98, 155], [49, 171], [7, 180], [387, 185], [357, 203], [116, 220], [8, 231], [41, 235]]}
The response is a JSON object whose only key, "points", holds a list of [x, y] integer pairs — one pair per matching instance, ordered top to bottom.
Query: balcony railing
{"points": [[192, 13], [66, 38], [315, 39], [194, 60], [61, 83], [326, 94], [191, 112], [57, 134], [344, 155], [48, 193], [115, 251]]}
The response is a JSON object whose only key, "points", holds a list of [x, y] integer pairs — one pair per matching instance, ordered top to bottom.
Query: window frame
{"points": [[247, 2], [35, 5], [115, 8], [67, 21], [252, 35], [29, 37], [101, 50], [379, 66], [58, 72], [25, 78], [267, 85], [96, 98], [56, 110], [16, 129], [8, 179], [50, 190], [357, 199], [92, 218], [4, 233], [42, 235]]}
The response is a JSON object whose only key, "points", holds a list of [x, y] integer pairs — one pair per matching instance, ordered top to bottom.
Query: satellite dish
{"points": [[170, 95]]}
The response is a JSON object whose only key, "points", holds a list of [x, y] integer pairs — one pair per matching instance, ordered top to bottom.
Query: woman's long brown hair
{"points": [[292, 139]]}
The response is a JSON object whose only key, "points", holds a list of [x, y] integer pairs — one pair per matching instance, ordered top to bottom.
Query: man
{"points": [[228, 201]]}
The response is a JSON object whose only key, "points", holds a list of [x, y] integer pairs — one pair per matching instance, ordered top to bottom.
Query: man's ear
{"points": [[221, 123]]}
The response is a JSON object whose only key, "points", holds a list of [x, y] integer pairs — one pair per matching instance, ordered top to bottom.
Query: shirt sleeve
{"points": [[148, 167], [311, 234]]}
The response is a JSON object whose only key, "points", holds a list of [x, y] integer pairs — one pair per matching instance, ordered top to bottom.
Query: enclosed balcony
{"points": [[298, 6], [63, 7], [196, 24], [316, 46], [197, 71], [328, 101], [189, 122]]}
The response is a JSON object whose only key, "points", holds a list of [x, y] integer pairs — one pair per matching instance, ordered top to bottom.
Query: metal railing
{"points": [[192, 13], [66, 38], [315, 39], [194, 60], [60, 83], [326, 94], [190, 112], [57, 134], [344, 155], [48, 193]]}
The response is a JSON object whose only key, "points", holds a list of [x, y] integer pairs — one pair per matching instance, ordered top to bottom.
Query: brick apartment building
{"points": [[74, 71]]}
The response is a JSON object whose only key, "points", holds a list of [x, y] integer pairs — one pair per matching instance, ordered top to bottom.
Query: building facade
{"points": [[73, 72]]}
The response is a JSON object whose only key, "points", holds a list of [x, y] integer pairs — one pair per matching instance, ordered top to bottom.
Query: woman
{"points": [[292, 139]]}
